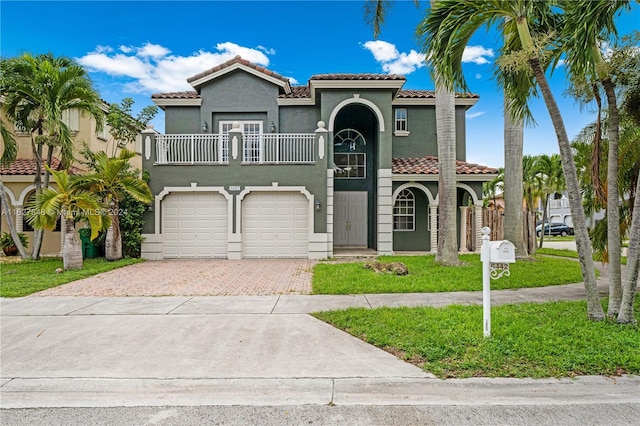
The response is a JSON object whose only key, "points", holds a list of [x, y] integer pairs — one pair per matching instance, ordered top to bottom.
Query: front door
{"points": [[350, 219]]}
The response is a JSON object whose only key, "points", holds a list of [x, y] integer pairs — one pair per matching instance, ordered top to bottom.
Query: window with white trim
{"points": [[71, 117], [401, 126], [102, 133], [251, 134], [404, 211]]}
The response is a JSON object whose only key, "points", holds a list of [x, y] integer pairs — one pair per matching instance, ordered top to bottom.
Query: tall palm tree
{"points": [[586, 23], [447, 30], [37, 90], [549, 170], [111, 183], [72, 202], [447, 249]]}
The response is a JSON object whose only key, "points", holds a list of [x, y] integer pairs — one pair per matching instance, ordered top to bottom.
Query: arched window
{"points": [[349, 158], [404, 211]]}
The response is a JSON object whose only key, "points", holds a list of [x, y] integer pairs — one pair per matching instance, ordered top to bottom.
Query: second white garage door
{"points": [[275, 224], [195, 225]]}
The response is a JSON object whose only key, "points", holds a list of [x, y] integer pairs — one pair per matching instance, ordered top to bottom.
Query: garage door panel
{"points": [[275, 224], [195, 225]]}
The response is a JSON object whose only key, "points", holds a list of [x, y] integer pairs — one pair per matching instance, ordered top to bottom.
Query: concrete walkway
{"points": [[246, 350]]}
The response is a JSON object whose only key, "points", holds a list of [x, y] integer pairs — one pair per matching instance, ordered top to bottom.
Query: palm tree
{"points": [[585, 24], [447, 30], [37, 90], [549, 170], [112, 182], [491, 188], [72, 202], [447, 251]]}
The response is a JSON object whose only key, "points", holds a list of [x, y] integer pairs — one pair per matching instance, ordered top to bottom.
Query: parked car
{"points": [[555, 229]]}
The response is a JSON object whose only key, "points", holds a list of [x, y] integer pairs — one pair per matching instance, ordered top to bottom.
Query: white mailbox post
{"points": [[496, 257]]}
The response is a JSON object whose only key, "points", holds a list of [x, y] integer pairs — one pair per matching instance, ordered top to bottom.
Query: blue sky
{"points": [[134, 49]]}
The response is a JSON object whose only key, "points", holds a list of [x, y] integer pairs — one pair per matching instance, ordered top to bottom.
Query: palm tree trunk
{"points": [[513, 189], [613, 204], [545, 218], [10, 224], [38, 234], [113, 240], [71, 250], [447, 252], [594, 308], [625, 316]]}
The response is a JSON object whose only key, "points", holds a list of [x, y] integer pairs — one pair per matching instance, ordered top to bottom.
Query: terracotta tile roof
{"points": [[233, 61], [362, 77], [298, 92], [305, 92], [429, 94], [176, 95], [429, 165], [27, 166]]}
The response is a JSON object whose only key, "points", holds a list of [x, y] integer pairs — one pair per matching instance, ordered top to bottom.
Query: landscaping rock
{"points": [[395, 268]]}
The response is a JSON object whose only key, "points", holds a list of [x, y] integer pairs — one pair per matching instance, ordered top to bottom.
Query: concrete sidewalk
{"points": [[251, 350]]}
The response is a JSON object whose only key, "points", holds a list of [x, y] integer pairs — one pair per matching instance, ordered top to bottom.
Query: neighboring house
{"points": [[251, 166], [18, 177], [559, 211]]}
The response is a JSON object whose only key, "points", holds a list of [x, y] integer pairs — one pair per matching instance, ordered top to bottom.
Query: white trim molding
{"points": [[199, 82], [357, 100], [193, 188]]}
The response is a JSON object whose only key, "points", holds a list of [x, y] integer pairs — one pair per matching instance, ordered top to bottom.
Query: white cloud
{"points": [[153, 51], [268, 51], [477, 54], [393, 61], [560, 63], [153, 68], [478, 76], [472, 115]]}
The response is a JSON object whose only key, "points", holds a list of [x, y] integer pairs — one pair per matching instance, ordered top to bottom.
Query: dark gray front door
{"points": [[350, 219]]}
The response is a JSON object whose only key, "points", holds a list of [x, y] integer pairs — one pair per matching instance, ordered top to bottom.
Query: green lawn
{"points": [[570, 253], [29, 276], [426, 276], [527, 340]]}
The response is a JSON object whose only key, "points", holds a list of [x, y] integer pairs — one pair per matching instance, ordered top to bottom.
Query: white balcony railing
{"points": [[273, 148], [279, 148], [192, 149]]}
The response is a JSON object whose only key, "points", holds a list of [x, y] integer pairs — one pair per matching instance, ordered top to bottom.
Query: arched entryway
{"points": [[355, 156]]}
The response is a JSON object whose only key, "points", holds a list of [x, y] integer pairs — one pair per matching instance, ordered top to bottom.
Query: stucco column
{"points": [[385, 212], [19, 219], [478, 220], [433, 224], [463, 229]]}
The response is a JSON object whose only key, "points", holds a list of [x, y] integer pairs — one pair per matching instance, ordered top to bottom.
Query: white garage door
{"points": [[275, 224], [195, 225]]}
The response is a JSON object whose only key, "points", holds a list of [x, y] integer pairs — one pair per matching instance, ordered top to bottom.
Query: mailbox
{"points": [[502, 252]]}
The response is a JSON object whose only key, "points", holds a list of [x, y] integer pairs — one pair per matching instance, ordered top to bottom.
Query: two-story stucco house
{"points": [[251, 166]]}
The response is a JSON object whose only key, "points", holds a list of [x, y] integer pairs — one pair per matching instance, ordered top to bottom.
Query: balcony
{"points": [[273, 148]]}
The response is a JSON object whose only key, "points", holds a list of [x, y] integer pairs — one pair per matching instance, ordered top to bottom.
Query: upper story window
{"points": [[71, 117], [401, 127], [102, 133], [349, 158], [404, 211]]}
